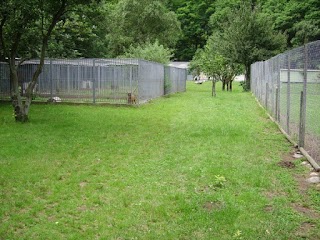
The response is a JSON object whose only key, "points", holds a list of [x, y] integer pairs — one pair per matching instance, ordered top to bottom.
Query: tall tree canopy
{"points": [[194, 17], [300, 20], [132, 22], [81, 34], [246, 37]]}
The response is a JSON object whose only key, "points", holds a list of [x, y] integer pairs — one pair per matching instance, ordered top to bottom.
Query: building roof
{"points": [[184, 65]]}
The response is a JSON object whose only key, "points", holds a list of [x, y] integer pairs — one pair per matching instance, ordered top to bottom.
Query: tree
{"points": [[222, 9], [194, 17], [299, 20], [134, 23], [25, 29], [82, 34], [247, 37], [150, 51], [195, 64], [216, 66]]}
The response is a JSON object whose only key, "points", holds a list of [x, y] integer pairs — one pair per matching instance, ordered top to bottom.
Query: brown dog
{"points": [[131, 99]]}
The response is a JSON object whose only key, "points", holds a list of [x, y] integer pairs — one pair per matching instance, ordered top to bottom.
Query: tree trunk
{"points": [[247, 76], [223, 85], [230, 86], [214, 88], [20, 107], [21, 111]]}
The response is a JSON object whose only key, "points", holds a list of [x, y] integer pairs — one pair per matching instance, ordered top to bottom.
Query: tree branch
{"points": [[55, 19]]}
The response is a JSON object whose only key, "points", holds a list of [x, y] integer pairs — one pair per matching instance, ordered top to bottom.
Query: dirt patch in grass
{"points": [[288, 161], [287, 164], [303, 185], [272, 194], [213, 206], [82, 208], [268, 208], [310, 213], [304, 230]]}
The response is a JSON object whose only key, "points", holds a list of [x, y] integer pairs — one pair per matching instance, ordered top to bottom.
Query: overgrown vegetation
{"points": [[183, 167]]}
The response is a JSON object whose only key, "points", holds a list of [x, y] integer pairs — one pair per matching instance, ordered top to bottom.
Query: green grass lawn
{"points": [[187, 166]]}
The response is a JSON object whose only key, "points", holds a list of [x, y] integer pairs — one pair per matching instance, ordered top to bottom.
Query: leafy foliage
{"points": [[194, 17], [199, 19], [300, 20], [134, 23], [25, 30], [82, 34], [247, 37], [150, 51], [195, 64], [214, 64]]}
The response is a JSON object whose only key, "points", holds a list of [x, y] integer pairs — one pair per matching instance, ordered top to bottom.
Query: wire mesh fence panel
{"points": [[151, 80], [175, 80], [4, 81], [115, 81], [182, 86], [288, 86], [296, 86], [284, 93], [312, 133]]}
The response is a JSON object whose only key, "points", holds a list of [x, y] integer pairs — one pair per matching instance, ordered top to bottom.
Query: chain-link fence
{"points": [[96, 80], [175, 80], [288, 86]]}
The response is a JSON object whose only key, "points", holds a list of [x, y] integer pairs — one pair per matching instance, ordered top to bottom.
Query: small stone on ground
{"points": [[297, 155], [314, 180]]}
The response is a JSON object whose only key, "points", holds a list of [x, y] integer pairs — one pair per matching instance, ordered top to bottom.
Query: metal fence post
{"points": [[78, 76], [263, 79], [51, 80], [93, 81], [288, 93], [303, 101], [277, 104], [277, 110]]}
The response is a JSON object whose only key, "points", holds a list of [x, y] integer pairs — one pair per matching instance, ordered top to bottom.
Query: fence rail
{"points": [[96, 80], [288, 86]]}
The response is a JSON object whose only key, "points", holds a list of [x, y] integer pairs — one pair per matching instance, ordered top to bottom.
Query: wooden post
{"points": [[302, 121]]}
